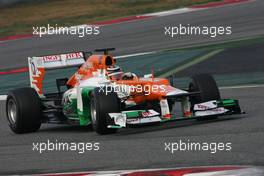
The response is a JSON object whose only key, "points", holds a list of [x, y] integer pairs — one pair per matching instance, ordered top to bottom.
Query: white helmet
{"points": [[114, 72]]}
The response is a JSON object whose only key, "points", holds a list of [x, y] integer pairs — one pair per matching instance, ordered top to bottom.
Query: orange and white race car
{"points": [[102, 95]]}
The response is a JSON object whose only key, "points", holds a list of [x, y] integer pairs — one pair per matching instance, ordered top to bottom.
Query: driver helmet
{"points": [[114, 72]]}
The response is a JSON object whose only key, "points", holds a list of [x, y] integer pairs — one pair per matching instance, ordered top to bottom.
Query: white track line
{"points": [[187, 9], [172, 12], [136, 54], [242, 86]]}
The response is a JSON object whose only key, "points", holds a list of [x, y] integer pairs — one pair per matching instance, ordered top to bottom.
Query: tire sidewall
{"points": [[207, 86], [99, 100], [93, 104], [28, 110], [13, 126]]}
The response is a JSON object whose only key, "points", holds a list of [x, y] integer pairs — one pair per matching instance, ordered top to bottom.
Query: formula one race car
{"points": [[102, 95]]}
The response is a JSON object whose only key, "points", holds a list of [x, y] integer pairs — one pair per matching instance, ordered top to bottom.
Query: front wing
{"points": [[199, 111]]}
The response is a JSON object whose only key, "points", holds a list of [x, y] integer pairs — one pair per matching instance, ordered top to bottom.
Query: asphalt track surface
{"points": [[145, 35], [241, 59], [142, 147]]}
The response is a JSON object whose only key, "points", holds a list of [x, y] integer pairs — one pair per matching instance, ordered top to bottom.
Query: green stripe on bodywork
{"points": [[228, 102], [71, 109], [133, 114], [85, 115], [114, 126]]}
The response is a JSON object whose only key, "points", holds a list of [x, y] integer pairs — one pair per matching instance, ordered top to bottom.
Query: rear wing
{"points": [[38, 65]]}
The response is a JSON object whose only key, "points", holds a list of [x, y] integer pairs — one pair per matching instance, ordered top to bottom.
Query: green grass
{"points": [[20, 18]]}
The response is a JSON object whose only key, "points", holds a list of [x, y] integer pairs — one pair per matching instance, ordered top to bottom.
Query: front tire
{"points": [[206, 85], [101, 104], [23, 110]]}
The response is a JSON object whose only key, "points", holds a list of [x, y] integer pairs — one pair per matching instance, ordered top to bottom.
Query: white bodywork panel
{"points": [[58, 61], [38, 65], [176, 91], [164, 107], [208, 108], [148, 117], [119, 118], [143, 120]]}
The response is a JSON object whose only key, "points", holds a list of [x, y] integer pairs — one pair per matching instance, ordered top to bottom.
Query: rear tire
{"points": [[206, 85], [102, 104], [23, 110]]}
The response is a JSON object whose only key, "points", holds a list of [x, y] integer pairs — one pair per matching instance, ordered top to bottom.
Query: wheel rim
{"points": [[12, 111], [93, 113]]}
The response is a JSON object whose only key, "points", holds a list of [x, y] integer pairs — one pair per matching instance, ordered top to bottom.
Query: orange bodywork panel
{"points": [[92, 64], [38, 79], [149, 88]]}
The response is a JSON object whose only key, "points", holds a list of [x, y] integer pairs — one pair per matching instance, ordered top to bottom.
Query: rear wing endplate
{"points": [[38, 65]]}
